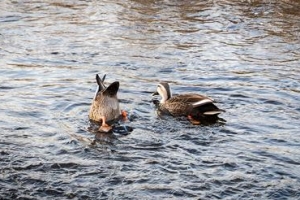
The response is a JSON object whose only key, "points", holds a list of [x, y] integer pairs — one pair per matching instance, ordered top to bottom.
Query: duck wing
{"points": [[195, 100], [196, 103], [183, 104]]}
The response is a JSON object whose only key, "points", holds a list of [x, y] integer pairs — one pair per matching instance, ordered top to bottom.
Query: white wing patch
{"points": [[202, 102], [212, 112]]}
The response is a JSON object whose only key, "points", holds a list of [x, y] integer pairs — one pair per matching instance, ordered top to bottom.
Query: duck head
{"points": [[163, 89]]}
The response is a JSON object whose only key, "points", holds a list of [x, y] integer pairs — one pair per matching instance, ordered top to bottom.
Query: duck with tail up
{"points": [[105, 105], [198, 108]]}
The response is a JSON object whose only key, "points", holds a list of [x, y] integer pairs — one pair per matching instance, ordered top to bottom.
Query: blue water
{"points": [[244, 54]]}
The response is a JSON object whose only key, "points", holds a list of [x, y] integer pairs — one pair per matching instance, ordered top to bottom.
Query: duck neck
{"points": [[165, 96], [163, 99]]}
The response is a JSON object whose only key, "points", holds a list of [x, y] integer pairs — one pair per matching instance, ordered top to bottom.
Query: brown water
{"points": [[245, 54]]}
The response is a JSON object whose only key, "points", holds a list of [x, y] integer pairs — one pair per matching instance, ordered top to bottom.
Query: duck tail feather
{"points": [[100, 82], [100, 85]]}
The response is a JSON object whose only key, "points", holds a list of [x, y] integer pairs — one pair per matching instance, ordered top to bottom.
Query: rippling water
{"points": [[245, 54]]}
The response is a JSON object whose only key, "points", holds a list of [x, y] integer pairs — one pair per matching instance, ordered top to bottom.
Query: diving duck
{"points": [[105, 106], [196, 107]]}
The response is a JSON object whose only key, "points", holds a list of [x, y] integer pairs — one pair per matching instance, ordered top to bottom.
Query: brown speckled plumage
{"points": [[193, 105]]}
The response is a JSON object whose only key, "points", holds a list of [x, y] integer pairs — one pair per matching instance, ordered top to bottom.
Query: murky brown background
{"points": [[245, 54]]}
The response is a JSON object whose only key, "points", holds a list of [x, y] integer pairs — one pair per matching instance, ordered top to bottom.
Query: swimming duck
{"points": [[105, 106], [196, 107]]}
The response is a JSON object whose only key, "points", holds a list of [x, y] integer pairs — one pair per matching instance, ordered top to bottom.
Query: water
{"points": [[245, 54]]}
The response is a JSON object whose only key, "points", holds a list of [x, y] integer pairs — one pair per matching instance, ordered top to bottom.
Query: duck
{"points": [[105, 105], [197, 108]]}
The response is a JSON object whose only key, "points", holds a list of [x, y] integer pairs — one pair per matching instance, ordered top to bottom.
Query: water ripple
{"points": [[244, 54]]}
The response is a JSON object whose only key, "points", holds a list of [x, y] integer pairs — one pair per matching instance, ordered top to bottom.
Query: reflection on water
{"points": [[244, 54]]}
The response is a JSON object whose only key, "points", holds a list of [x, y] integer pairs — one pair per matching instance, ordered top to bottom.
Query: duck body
{"points": [[105, 105], [196, 107]]}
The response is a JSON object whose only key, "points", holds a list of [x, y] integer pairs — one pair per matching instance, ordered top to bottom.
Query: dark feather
{"points": [[100, 82], [112, 89]]}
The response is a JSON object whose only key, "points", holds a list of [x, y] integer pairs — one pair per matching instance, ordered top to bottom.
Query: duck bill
{"points": [[155, 94]]}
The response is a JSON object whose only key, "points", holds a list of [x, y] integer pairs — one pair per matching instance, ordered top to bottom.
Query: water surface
{"points": [[244, 54]]}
